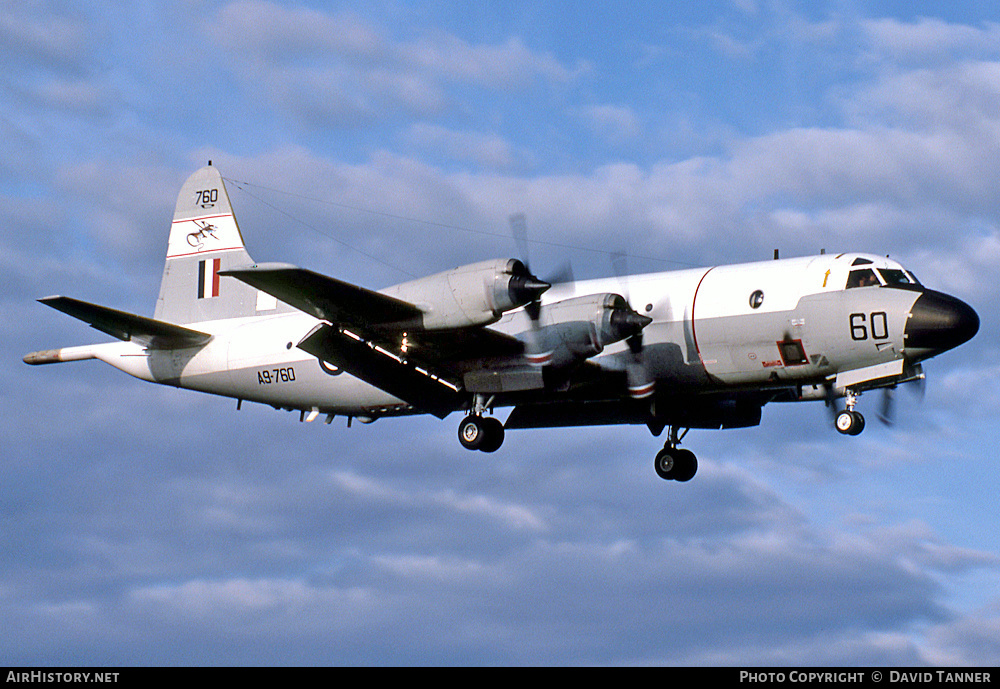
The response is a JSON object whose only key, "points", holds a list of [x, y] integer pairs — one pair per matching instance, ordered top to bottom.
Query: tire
{"points": [[845, 422], [850, 422], [859, 423], [472, 432], [494, 435], [664, 463], [685, 465]]}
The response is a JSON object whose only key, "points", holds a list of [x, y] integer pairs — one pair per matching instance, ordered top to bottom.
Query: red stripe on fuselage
{"points": [[694, 333]]}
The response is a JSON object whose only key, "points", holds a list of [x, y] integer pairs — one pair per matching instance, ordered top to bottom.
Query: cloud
{"points": [[35, 35], [928, 37], [324, 67], [615, 122], [488, 150], [529, 600], [972, 640]]}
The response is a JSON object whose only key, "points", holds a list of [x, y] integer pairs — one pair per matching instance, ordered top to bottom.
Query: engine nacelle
{"points": [[476, 294], [579, 328]]}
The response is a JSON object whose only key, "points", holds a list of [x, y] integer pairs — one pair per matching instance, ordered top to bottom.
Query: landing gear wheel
{"points": [[850, 422], [472, 432], [481, 433], [494, 435], [664, 464], [672, 464], [685, 465]]}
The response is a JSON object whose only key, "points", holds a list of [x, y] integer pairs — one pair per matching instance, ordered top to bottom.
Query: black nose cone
{"points": [[939, 322]]}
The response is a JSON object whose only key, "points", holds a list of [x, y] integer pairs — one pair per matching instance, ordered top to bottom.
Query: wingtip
{"points": [[63, 354], [46, 356]]}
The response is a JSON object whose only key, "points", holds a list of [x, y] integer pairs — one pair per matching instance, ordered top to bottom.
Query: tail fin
{"points": [[205, 240]]}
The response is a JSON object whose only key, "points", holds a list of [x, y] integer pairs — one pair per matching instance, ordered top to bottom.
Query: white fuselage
{"points": [[770, 323]]}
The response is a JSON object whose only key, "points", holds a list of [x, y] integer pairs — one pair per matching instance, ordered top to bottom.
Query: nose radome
{"points": [[939, 322]]}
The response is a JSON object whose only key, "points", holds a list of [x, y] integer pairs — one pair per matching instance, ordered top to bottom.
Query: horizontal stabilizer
{"points": [[329, 299], [128, 326]]}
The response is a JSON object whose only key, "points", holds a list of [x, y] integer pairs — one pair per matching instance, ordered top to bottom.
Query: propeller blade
{"points": [[519, 229], [561, 276], [530, 289], [640, 383], [917, 385], [831, 402], [886, 413]]}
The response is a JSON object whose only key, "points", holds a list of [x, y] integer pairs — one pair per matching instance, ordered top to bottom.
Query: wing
{"points": [[329, 299], [128, 326], [381, 340]]}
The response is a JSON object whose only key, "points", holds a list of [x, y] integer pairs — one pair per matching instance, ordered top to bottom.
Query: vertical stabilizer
{"points": [[205, 240]]}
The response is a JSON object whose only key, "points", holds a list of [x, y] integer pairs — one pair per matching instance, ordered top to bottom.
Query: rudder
{"points": [[205, 240]]}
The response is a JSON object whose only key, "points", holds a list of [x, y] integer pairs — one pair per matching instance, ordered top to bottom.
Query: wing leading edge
{"points": [[329, 299]]}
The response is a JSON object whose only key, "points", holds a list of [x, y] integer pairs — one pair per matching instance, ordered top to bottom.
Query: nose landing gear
{"points": [[850, 422], [672, 463]]}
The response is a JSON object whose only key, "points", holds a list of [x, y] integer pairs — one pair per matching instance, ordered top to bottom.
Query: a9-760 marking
{"points": [[269, 376]]}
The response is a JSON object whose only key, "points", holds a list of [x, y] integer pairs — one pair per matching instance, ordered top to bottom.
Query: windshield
{"points": [[863, 277], [894, 277]]}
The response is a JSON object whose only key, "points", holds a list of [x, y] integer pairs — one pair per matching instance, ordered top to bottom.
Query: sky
{"points": [[380, 141]]}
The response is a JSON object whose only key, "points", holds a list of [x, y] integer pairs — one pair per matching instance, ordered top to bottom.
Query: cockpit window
{"points": [[861, 262], [863, 277], [895, 277]]}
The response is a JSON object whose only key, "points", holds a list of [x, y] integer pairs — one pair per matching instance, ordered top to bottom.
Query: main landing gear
{"points": [[850, 422], [478, 432], [483, 433], [674, 464]]}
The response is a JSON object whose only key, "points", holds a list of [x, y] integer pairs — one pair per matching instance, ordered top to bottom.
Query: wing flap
{"points": [[329, 299], [129, 326], [378, 366]]}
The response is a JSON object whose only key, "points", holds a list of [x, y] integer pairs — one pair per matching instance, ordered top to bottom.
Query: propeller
{"points": [[535, 287], [641, 383], [887, 410]]}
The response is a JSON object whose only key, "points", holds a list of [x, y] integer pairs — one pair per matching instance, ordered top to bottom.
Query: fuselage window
{"points": [[862, 278]]}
